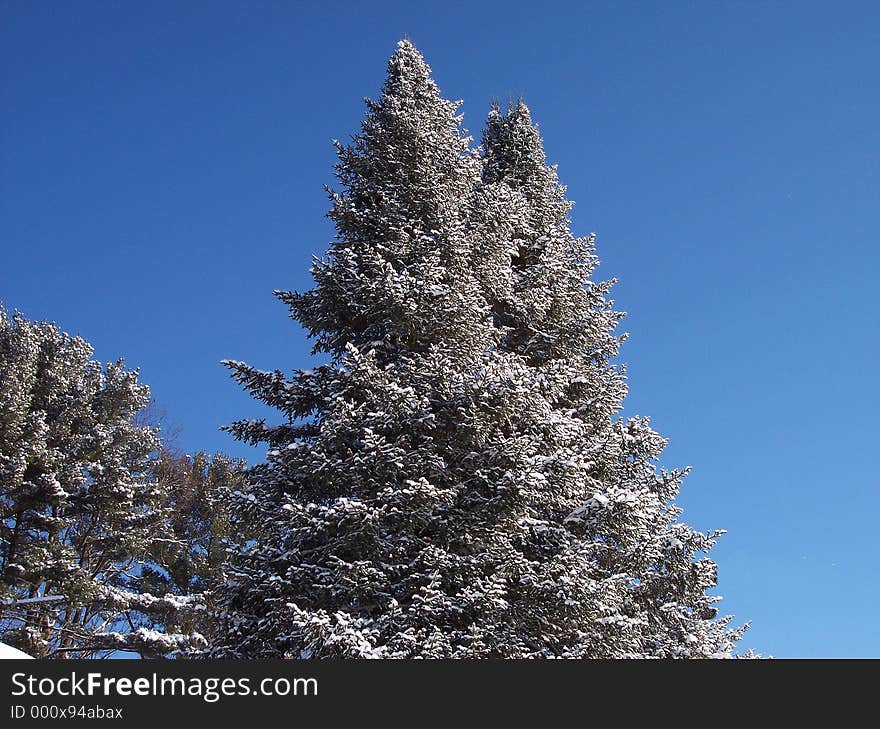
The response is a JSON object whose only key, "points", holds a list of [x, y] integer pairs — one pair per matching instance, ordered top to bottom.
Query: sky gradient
{"points": [[162, 169]]}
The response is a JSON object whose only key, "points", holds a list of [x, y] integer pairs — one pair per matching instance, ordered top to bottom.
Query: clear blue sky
{"points": [[161, 172]]}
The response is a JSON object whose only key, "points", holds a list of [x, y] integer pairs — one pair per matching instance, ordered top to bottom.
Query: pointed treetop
{"points": [[406, 47], [407, 67], [521, 114], [512, 143], [405, 180]]}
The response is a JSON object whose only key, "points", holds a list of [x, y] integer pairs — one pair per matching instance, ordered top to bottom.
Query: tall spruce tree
{"points": [[562, 324], [454, 482], [79, 508]]}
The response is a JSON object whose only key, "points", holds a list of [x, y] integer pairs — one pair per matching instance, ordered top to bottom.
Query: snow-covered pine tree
{"points": [[552, 308], [562, 325], [452, 483], [197, 497], [349, 499], [80, 509]]}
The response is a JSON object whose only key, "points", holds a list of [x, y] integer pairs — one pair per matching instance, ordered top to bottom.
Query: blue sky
{"points": [[161, 172]]}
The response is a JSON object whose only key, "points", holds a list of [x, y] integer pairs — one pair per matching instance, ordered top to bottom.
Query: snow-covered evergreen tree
{"points": [[552, 309], [562, 324], [454, 482], [198, 502], [80, 508]]}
